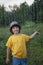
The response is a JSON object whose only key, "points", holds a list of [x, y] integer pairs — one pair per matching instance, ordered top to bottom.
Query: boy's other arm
{"points": [[33, 35], [8, 53]]}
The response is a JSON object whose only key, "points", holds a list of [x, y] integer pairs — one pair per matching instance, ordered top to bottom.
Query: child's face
{"points": [[15, 30]]}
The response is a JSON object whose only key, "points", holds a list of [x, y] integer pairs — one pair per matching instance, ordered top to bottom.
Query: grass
{"points": [[34, 47]]}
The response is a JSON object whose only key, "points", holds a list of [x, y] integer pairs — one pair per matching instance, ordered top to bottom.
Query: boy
{"points": [[17, 44]]}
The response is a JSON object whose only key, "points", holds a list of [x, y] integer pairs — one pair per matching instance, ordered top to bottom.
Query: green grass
{"points": [[34, 47]]}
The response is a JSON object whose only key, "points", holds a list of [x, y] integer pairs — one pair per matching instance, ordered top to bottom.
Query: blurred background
{"points": [[29, 14]]}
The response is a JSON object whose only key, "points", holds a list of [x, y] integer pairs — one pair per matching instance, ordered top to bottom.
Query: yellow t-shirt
{"points": [[17, 43]]}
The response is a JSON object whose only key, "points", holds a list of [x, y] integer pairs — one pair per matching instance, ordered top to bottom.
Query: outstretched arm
{"points": [[33, 35]]}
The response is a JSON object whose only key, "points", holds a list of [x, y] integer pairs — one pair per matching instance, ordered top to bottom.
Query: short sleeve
{"points": [[26, 37], [9, 42]]}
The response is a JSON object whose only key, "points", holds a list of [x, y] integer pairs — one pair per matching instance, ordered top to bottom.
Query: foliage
{"points": [[22, 13], [34, 47]]}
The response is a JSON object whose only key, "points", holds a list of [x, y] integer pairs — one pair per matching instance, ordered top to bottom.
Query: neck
{"points": [[16, 33]]}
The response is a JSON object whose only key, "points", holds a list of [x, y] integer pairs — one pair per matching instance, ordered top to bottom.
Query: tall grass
{"points": [[34, 47]]}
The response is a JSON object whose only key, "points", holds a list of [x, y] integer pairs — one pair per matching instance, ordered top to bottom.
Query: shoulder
{"points": [[24, 35], [10, 37]]}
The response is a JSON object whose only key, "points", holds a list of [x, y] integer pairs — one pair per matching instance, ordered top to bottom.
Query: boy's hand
{"points": [[37, 32], [7, 60]]}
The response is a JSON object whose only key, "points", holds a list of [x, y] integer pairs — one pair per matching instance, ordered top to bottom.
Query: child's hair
{"points": [[12, 24]]}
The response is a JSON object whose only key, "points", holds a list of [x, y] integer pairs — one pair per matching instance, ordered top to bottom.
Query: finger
{"points": [[38, 32]]}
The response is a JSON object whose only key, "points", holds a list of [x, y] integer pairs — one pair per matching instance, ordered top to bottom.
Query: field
{"points": [[34, 47]]}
